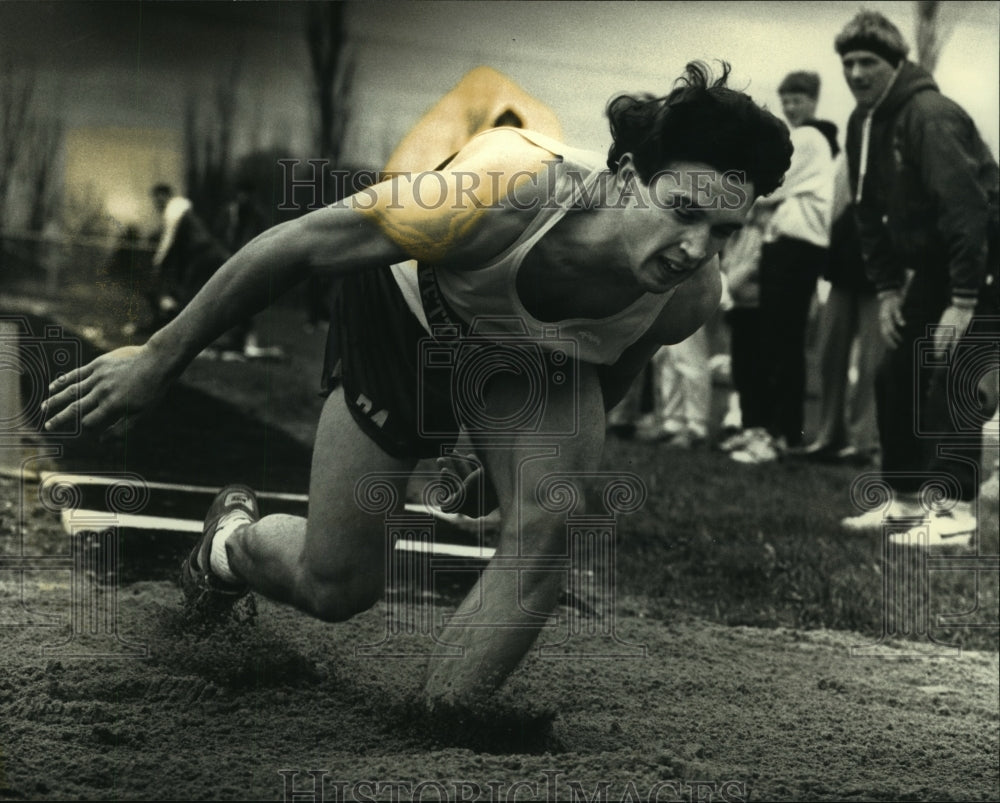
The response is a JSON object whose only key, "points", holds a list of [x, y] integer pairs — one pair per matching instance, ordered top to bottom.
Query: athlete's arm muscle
{"points": [[468, 212], [460, 216], [388, 223]]}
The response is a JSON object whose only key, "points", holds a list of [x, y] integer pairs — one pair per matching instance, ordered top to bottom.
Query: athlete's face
{"points": [[867, 75], [679, 221]]}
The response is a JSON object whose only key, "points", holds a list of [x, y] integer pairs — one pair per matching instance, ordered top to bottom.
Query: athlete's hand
{"points": [[890, 316], [114, 388]]}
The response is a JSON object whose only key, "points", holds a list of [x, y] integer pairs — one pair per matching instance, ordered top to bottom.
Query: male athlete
{"points": [[517, 237]]}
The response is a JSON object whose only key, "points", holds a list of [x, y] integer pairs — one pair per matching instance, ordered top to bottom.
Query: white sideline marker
{"points": [[87, 479], [85, 519], [95, 519]]}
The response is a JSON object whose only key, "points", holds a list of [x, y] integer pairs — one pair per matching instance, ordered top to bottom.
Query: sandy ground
{"points": [[105, 694], [262, 709]]}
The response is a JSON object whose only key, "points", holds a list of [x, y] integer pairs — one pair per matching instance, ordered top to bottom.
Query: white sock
{"points": [[218, 560]]}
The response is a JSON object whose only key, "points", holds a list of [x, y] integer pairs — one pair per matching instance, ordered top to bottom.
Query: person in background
{"points": [[484, 98], [926, 193], [238, 223], [793, 255], [186, 256], [741, 302], [848, 327], [682, 394]]}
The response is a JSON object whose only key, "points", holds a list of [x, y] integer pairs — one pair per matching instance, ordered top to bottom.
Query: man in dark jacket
{"points": [[925, 190]]}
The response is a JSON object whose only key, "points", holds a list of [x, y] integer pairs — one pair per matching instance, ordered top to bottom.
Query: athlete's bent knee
{"points": [[334, 599]]}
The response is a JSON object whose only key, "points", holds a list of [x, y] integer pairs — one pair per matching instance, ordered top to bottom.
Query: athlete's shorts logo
{"points": [[366, 406]]}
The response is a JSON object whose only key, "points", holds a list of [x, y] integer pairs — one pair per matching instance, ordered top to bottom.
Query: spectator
{"points": [[482, 99], [926, 196], [240, 221], [794, 253], [186, 257], [741, 266], [848, 325], [682, 393]]}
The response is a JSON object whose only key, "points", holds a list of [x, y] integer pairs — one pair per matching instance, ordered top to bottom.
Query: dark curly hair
{"points": [[700, 121]]}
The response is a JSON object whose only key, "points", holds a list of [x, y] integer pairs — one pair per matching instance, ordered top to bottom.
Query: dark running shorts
{"points": [[373, 350]]}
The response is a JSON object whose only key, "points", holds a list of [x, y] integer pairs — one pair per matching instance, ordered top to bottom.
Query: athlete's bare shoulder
{"points": [[502, 146], [515, 165], [468, 211]]}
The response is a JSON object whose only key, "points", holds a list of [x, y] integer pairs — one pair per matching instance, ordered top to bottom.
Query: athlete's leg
{"points": [[333, 564], [501, 617]]}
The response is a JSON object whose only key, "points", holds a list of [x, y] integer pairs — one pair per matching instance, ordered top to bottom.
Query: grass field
{"points": [[761, 546]]}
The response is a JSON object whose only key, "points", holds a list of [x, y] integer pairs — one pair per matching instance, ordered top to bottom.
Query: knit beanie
{"points": [[870, 31]]}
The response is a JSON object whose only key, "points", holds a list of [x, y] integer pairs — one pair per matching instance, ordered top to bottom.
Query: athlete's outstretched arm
{"points": [[391, 222], [125, 382]]}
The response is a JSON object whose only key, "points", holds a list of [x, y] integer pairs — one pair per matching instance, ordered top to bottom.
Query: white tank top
{"points": [[489, 291]]}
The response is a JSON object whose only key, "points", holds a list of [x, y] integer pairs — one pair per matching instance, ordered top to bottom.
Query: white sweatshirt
{"points": [[805, 200]]}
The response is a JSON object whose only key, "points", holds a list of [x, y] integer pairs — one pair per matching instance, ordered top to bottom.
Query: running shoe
{"points": [[733, 441], [760, 447], [904, 510], [950, 527], [203, 589]]}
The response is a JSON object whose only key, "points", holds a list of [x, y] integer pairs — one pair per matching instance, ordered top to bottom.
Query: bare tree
{"points": [[935, 22], [928, 44], [332, 72], [17, 88], [208, 141], [29, 150], [39, 170]]}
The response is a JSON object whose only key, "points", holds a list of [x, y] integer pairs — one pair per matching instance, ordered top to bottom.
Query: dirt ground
{"points": [[107, 694], [669, 710]]}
